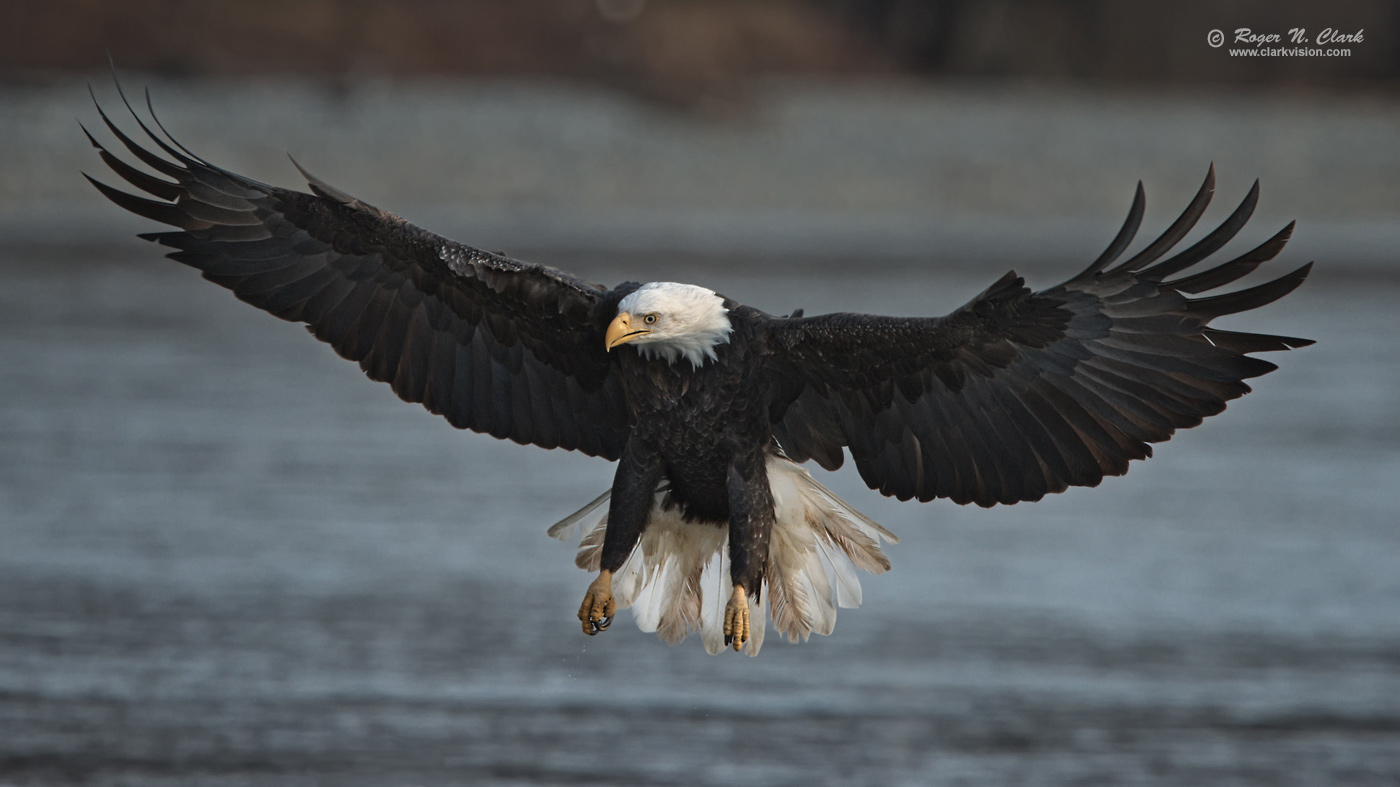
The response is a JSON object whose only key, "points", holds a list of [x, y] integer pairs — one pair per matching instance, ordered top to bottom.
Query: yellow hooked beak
{"points": [[620, 331]]}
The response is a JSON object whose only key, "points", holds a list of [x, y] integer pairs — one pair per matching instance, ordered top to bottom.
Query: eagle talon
{"points": [[596, 612], [736, 619]]}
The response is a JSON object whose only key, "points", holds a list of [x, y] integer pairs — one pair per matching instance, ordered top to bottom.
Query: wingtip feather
{"points": [[321, 187], [1178, 229], [1125, 235]]}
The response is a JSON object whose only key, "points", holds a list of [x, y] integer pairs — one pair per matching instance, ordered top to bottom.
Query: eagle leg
{"points": [[596, 612], [736, 619]]}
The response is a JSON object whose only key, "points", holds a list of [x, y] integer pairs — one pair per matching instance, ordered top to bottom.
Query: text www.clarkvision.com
{"points": [[1295, 43]]}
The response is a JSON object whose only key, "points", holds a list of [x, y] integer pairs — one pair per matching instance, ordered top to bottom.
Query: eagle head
{"points": [[671, 321]]}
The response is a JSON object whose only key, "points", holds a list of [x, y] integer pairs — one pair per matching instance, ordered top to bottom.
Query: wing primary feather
{"points": [[150, 107], [163, 146], [147, 157], [150, 184], [321, 187], [163, 212], [1177, 230], [1123, 238], [1210, 244], [1237, 268], [1252, 298], [1253, 342], [1171, 392], [1080, 410], [1148, 419]]}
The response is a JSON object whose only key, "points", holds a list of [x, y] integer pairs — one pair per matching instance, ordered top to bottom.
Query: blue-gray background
{"points": [[226, 558]]}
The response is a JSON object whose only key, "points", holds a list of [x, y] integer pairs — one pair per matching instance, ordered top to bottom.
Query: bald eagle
{"points": [[709, 406]]}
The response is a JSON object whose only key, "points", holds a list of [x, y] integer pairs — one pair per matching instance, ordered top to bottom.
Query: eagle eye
{"points": [[650, 319]]}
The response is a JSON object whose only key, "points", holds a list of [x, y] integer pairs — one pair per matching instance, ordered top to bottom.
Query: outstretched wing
{"points": [[492, 344], [1019, 394]]}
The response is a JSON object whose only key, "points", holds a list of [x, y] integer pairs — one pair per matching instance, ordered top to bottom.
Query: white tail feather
{"points": [[565, 528], [676, 581]]}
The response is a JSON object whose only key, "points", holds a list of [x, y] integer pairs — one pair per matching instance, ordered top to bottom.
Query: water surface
{"points": [[228, 559]]}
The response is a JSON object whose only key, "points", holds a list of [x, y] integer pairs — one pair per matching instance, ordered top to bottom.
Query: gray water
{"points": [[228, 559]]}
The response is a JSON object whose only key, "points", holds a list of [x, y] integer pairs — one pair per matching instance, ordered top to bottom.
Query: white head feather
{"points": [[690, 321]]}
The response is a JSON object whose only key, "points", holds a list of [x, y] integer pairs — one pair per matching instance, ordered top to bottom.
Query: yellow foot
{"points": [[598, 607], [736, 619]]}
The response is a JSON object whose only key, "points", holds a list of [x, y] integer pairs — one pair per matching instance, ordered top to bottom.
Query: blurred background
{"points": [[226, 558]]}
